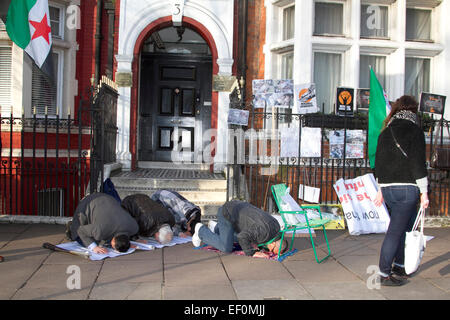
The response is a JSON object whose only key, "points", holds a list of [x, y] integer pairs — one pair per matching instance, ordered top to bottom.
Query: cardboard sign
{"points": [[305, 98], [345, 100], [362, 100], [432, 103]]}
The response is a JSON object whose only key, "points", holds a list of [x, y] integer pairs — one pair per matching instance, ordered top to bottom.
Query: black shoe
{"points": [[68, 233], [399, 271], [391, 281]]}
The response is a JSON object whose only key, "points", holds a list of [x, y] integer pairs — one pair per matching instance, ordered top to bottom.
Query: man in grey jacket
{"points": [[100, 220], [249, 225]]}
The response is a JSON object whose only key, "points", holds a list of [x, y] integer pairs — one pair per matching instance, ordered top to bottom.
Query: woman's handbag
{"points": [[440, 157], [415, 244]]}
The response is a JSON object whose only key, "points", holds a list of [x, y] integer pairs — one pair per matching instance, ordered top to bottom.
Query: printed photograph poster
{"points": [[270, 93], [305, 98], [362, 99], [345, 101], [432, 103], [238, 117], [310, 142], [354, 144]]}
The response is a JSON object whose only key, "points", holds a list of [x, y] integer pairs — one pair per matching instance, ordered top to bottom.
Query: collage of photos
{"points": [[273, 93], [354, 144]]}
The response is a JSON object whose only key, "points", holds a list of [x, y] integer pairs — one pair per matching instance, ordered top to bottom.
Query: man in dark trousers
{"points": [[153, 218], [100, 220], [248, 224]]}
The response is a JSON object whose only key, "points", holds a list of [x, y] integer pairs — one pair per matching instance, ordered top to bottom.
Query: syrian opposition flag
{"points": [[28, 26], [379, 109]]}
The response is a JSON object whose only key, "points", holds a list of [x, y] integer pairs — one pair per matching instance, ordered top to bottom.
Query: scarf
{"points": [[404, 115]]}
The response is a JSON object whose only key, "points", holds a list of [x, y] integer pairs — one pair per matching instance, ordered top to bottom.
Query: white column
{"points": [[303, 56], [351, 61], [395, 70], [123, 153], [220, 159]]}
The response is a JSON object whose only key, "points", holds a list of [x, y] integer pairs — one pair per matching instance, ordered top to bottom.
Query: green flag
{"points": [[28, 26], [379, 108]]}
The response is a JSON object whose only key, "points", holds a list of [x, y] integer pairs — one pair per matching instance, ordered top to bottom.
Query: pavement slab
{"points": [[183, 273], [270, 290]]}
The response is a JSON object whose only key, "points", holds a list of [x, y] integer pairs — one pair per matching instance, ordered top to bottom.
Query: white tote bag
{"points": [[415, 244]]}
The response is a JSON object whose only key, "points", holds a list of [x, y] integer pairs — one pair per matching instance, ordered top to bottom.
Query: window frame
{"points": [[430, 10], [283, 11], [61, 17], [388, 22], [344, 23], [430, 71], [341, 76], [385, 81], [59, 87], [8, 111]]}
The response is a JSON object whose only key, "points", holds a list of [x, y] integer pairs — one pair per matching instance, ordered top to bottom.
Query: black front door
{"points": [[175, 107]]}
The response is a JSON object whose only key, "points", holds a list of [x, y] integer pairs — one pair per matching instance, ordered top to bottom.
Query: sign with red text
{"points": [[360, 213]]}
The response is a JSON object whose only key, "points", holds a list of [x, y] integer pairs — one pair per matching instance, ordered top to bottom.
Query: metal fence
{"points": [[49, 163], [250, 176]]}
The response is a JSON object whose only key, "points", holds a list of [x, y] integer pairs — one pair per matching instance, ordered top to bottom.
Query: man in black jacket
{"points": [[153, 218], [249, 225]]}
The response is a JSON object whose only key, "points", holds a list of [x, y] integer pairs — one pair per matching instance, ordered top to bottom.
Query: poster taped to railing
{"points": [[360, 213]]}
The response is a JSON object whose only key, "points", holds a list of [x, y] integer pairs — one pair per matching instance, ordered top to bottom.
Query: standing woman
{"points": [[401, 172]]}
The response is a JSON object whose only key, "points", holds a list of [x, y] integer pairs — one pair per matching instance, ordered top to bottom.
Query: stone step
{"points": [[173, 165], [174, 184], [194, 196]]}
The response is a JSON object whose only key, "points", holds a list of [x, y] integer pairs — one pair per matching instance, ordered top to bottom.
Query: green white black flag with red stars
{"points": [[28, 26]]}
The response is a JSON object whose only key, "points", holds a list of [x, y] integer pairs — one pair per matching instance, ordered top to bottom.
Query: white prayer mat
{"points": [[175, 241], [150, 245]]}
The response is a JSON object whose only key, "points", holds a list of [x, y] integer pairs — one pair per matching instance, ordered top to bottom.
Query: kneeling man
{"points": [[100, 220], [249, 225]]}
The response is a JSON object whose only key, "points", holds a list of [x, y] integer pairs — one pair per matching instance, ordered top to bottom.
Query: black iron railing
{"points": [[47, 163], [250, 178]]}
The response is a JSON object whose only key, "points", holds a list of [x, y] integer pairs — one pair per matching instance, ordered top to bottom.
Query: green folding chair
{"points": [[281, 190]]}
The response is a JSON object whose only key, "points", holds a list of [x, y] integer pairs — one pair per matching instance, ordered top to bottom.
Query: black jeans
{"points": [[401, 201]]}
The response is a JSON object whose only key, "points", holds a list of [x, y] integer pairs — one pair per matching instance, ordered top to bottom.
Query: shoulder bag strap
{"points": [[396, 142]]}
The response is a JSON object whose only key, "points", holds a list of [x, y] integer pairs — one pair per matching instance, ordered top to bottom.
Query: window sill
{"points": [[329, 35], [374, 38], [420, 40]]}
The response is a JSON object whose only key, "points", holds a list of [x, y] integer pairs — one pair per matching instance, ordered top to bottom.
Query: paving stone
{"points": [[185, 253], [434, 265], [362, 266], [249, 268], [115, 271], [327, 271], [209, 272], [14, 273], [61, 276], [417, 288], [270, 289], [354, 290], [126, 291], [201, 292], [50, 294]]}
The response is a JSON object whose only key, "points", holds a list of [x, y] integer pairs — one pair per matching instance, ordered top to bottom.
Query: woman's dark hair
{"points": [[403, 103], [122, 243]]}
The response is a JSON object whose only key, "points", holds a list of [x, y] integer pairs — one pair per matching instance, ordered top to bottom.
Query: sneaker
{"points": [[212, 225], [196, 241], [399, 271], [391, 281]]}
